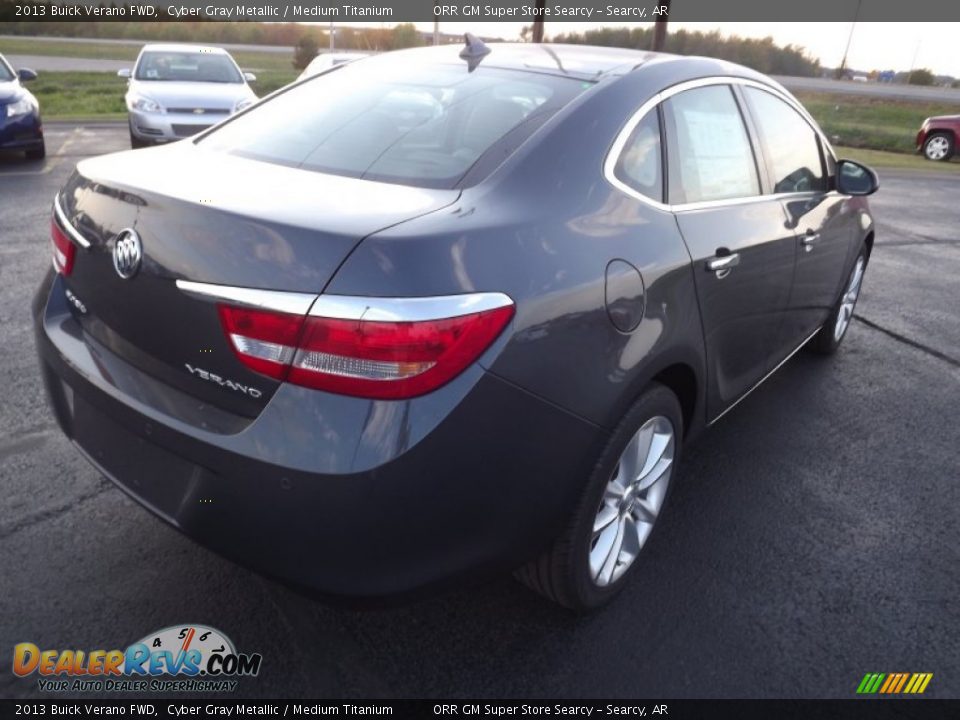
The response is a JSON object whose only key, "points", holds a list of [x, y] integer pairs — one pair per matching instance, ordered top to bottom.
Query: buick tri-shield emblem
{"points": [[127, 253]]}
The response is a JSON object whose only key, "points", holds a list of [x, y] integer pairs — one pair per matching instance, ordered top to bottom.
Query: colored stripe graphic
{"points": [[870, 683], [894, 683], [901, 683]]}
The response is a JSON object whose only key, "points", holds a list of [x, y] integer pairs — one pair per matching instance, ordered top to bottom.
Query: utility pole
{"points": [[541, 9], [436, 23], [660, 29], [843, 63], [913, 63]]}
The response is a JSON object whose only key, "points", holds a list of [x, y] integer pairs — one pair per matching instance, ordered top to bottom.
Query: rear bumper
{"points": [[20, 133], [345, 496]]}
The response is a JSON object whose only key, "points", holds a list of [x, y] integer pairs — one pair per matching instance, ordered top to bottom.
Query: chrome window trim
{"points": [[613, 154], [67, 225], [286, 302], [350, 307], [407, 309]]}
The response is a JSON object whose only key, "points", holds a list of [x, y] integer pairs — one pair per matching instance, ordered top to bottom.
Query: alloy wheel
{"points": [[937, 147], [849, 300], [632, 500]]}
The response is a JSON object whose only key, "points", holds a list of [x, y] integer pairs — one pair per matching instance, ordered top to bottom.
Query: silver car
{"points": [[176, 91]]}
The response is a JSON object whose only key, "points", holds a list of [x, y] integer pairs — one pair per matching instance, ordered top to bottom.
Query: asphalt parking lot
{"points": [[812, 536]]}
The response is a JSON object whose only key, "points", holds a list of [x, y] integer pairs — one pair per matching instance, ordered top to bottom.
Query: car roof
{"points": [[181, 47]]}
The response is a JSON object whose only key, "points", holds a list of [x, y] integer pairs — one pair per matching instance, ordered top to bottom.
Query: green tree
{"points": [[404, 36], [305, 51], [921, 77]]}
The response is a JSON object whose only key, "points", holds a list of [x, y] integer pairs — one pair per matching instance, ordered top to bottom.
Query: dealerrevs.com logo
{"points": [[180, 658]]}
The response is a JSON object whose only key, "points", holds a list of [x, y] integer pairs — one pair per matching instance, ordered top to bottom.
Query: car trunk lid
{"points": [[218, 220]]}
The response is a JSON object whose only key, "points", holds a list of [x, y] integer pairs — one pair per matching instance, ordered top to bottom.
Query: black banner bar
{"points": [[346, 11], [864, 709]]}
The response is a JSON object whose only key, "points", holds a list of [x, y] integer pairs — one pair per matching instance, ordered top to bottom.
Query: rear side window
{"points": [[392, 120], [790, 144], [709, 150], [639, 164]]}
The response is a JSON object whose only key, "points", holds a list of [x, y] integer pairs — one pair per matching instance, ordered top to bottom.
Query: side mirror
{"points": [[124, 73], [26, 74], [249, 77], [854, 178]]}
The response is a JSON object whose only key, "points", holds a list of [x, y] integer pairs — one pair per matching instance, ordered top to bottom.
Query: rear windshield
{"points": [[187, 67], [6, 74], [396, 121]]}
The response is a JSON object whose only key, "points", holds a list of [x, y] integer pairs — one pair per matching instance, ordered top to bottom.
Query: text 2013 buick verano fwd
{"points": [[446, 312]]}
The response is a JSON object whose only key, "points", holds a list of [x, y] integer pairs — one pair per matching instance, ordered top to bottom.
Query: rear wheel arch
{"points": [[868, 241], [678, 372], [681, 380]]}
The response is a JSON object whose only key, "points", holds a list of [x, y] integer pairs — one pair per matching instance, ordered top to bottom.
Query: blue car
{"points": [[20, 126]]}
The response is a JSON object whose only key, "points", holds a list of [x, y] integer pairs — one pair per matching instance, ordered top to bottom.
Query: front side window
{"points": [[187, 67], [408, 122], [789, 143], [710, 157], [639, 164]]}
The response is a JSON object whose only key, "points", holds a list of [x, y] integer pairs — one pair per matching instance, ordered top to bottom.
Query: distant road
{"points": [[140, 43], [51, 63], [886, 90]]}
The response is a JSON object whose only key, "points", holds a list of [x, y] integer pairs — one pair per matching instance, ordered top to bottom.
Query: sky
{"points": [[875, 45]]}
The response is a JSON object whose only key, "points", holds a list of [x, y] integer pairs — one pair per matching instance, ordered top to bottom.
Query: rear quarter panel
{"points": [[543, 229]]}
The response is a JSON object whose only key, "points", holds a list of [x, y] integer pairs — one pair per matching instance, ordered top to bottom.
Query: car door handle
{"points": [[808, 239], [723, 262]]}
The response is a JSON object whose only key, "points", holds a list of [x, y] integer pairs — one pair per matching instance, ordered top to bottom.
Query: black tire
{"points": [[938, 139], [37, 153], [826, 341], [562, 574]]}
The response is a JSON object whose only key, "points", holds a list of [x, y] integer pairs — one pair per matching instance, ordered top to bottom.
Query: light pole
{"points": [[541, 9], [660, 30], [332, 31], [843, 63]]}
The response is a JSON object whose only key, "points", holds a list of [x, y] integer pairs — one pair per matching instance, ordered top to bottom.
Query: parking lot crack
{"points": [[926, 349], [54, 512]]}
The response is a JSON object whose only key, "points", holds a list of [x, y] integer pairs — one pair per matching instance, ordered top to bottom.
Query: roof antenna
{"points": [[474, 51]]}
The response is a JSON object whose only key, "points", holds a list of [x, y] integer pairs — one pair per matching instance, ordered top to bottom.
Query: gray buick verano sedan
{"points": [[446, 312]]}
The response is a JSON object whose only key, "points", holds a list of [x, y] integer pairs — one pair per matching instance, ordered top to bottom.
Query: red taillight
{"points": [[62, 248], [264, 341], [366, 358]]}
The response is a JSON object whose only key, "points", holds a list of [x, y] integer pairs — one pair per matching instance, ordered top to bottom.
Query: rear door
{"points": [[800, 175], [742, 249]]}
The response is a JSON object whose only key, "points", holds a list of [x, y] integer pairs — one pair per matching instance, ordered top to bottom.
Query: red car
{"points": [[937, 138]]}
